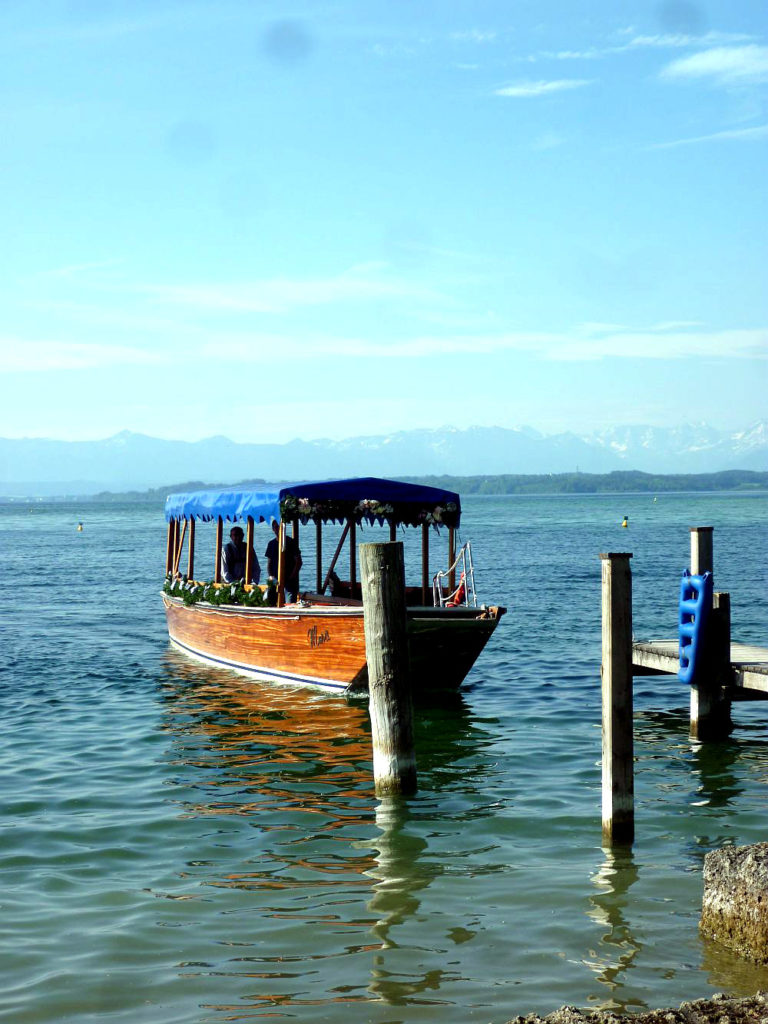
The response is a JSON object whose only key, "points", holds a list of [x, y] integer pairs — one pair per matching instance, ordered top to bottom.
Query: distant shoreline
{"points": [[617, 482]]}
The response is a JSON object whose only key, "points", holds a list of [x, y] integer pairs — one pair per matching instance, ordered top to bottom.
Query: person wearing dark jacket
{"points": [[233, 559], [291, 564]]}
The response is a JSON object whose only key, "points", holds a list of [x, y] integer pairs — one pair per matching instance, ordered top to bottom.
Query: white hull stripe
{"points": [[271, 675]]}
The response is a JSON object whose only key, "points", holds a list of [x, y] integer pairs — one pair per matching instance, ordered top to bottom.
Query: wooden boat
{"points": [[318, 639]]}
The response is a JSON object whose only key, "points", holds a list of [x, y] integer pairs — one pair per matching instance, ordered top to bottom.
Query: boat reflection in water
{"points": [[315, 876]]}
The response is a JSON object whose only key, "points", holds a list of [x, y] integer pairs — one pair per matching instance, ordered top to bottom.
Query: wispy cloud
{"points": [[98, 28], [475, 35], [662, 41], [667, 41], [725, 65], [524, 90], [755, 134], [549, 140], [75, 269], [280, 295], [667, 339], [664, 341], [587, 343], [20, 355]]}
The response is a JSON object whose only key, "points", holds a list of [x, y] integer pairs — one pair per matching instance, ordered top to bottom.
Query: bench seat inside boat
{"points": [[345, 595]]}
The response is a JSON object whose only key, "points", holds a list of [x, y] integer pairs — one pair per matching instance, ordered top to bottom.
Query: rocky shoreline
{"points": [[718, 1009]]}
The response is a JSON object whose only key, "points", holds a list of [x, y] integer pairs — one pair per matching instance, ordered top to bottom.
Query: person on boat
{"points": [[233, 559], [291, 565]]}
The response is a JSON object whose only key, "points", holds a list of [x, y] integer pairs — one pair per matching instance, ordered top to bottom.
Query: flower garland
{"points": [[369, 509], [223, 594]]}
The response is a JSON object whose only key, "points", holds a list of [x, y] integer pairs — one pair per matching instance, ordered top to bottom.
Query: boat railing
{"points": [[463, 593]]}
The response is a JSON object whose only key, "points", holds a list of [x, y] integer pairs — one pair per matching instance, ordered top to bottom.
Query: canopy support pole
{"points": [[295, 535], [169, 546], [179, 546], [248, 549], [191, 552], [319, 555], [335, 558], [352, 558], [452, 558], [424, 562], [217, 564], [281, 566]]}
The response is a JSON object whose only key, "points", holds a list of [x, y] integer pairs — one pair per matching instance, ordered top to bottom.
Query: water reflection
{"points": [[261, 735], [714, 764], [305, 859], [399, 873], [613, 880], [728, 971]]}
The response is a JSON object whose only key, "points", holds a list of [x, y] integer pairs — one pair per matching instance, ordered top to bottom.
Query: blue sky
{"points": [[287, 220]]}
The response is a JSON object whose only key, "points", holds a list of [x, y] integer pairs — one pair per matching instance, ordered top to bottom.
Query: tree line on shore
{"points": [[617, 482]]}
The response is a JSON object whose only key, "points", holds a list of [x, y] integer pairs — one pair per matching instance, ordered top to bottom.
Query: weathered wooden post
{"points": [[701, 550], [382, 577], [616, 673], [710, 709]]}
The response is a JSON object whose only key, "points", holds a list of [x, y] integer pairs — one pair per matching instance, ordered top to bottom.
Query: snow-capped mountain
{"points": [[130, 461]]}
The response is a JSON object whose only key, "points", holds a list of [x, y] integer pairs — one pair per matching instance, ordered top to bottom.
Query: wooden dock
{"points": [[748, 666], [727, 672]]}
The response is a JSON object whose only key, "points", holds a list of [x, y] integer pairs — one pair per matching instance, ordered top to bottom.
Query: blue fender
{"points": [[696, 593]]}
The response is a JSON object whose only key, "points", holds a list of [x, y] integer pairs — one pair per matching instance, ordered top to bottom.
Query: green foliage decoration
{"points": [[224, 594]]}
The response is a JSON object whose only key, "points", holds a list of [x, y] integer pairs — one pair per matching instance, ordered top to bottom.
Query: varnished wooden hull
{"points": [[325, 646]]}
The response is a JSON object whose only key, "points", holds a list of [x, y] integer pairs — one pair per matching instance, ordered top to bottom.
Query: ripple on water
{"points": [[180, 846]]}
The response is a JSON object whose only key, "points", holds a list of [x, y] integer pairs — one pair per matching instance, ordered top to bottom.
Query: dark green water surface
{"points": [[180, 845]]}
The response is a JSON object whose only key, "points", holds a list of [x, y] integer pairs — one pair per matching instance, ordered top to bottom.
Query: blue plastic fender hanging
{"points": [[696, 594]]}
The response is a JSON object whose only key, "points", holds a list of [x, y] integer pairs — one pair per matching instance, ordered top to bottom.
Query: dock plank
{"points": [[749, 664]]}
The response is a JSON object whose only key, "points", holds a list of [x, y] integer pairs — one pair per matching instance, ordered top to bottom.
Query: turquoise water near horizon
{"points": [[183, 845]]}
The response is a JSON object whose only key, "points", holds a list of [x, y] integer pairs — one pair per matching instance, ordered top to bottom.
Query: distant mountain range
{"points": [[31, 467]]}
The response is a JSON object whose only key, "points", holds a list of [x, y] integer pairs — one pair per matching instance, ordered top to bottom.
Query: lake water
{"points": [[180, 845]]}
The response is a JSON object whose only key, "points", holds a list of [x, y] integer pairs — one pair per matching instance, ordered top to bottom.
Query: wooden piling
{"points": [[701, 550], [382, 577], [616, 673], [710, 709]]}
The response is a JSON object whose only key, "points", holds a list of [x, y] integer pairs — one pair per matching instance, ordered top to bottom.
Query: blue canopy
{"points": [[360, 498], [206, 505]]}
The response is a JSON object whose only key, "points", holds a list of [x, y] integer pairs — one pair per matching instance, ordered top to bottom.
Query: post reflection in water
{"points": [[714, 764], [399, 874], [317, 880], [613, 880]]}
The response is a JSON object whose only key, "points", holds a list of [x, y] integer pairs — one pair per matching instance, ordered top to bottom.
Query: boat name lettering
{"points": [[315, 638]]}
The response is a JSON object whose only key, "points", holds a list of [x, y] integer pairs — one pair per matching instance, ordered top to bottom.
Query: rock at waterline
{"points": [[735, 905], [719, 1009]]}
